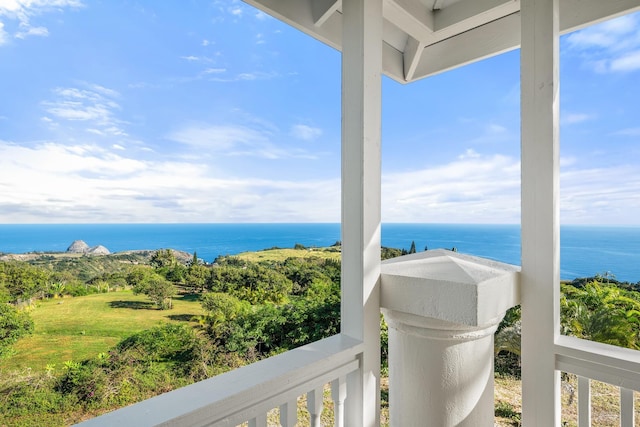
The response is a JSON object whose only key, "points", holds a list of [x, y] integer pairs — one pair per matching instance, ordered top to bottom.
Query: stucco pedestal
{"points": [[442, 309]]}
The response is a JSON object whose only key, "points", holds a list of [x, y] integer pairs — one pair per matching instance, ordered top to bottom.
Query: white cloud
{"points": [[23, 11], [33, 31], [4, 37], [612, 46], [192, 58], [626, 63], [214, 71], [251, 76], [94, 105], [573, 118], [495, 129], [304, 132], [218, 138], [234, 140], [85, 183], [472, 188], [486, 189], [596, 196]]}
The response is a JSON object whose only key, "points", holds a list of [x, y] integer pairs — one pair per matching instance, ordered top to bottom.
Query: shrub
{"points": [[14, 324]]}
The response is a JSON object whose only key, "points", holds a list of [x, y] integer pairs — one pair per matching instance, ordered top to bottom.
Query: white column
{"points": [[361, 116], [540, 212], [440, 373]]}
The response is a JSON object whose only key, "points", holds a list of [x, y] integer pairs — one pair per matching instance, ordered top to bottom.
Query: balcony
{"points": [[442, 312]]}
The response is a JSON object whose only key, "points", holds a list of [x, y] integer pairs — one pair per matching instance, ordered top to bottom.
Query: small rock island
{"points": [[81, 247]]}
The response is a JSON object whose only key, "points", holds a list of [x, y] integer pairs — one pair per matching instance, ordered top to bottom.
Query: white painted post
{"points": [[361, 185], [540, 212], [338, 394], [584, 402], [314, 406], [627, 410], [289, 414], [259, 421]]}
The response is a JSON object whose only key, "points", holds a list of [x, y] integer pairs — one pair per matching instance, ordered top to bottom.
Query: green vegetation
{"points": [[158, 322], [14, 324], [79, 328], [125, 340]]}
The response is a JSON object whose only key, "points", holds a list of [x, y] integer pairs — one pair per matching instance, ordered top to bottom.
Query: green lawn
{"points": [[283, 254], [81, 327]]}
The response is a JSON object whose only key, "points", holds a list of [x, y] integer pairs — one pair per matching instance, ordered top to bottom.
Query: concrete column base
{"points": [[440, 373]]}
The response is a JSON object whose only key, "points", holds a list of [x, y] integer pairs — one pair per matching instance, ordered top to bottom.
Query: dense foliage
{"points": [[253, 310], [14, 324]]}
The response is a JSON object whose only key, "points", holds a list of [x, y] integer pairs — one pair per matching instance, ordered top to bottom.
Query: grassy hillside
{"points": [[282, 254], [81, 327]]}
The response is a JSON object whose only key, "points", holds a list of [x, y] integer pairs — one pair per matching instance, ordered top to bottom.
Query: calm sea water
{"points": [[585, 250]]}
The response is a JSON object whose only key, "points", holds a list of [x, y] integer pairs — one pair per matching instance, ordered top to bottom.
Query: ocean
{"points": [[585, 250]]}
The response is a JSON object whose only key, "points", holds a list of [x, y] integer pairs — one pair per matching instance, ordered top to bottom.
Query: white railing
{"points": [[608, 364], [247, 394]]}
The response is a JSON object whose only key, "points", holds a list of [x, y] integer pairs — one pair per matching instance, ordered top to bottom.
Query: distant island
{"points": [[81, 247]]}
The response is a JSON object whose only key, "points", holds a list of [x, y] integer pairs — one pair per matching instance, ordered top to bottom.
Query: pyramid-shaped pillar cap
{"points": [[449, 286]]}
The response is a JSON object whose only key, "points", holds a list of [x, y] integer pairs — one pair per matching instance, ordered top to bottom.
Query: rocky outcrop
{"points": [[78, 247], [98, 250]]}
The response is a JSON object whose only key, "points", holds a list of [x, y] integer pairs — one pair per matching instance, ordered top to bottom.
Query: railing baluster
{"points": [[339, 394], [584, 402], [315, 405], [289, 413], [627, 413], [259, 421]]}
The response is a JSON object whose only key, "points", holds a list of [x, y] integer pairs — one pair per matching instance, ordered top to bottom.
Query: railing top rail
{"points": [[602, 362], [216, 399]]}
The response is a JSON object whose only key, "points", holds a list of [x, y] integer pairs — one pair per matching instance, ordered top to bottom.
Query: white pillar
{"points": [[361, 151], [540, 212], [442, 309], [440, 373]]}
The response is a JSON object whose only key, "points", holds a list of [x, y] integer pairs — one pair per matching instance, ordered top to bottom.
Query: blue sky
{"points": [[210, 111]]}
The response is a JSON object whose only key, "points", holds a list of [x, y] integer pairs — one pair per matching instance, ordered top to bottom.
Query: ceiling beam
{"points": [[437, 4], [323, 9], [299, 14], [466, 14], [577, 14], [411, 16], [500, 35], [503, 35], [481, 42], [411, 57]]}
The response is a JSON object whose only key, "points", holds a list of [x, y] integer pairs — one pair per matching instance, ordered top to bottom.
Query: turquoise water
{"points": [[585, 250]]}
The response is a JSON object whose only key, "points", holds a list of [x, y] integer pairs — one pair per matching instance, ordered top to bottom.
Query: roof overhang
{"points": [[426, 37]]}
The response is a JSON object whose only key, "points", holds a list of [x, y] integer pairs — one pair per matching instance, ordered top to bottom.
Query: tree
{"points": [[412, 250], [163, 258], [196, 277], [23, 281], [254, 283], [158, 289], [161, 293], [222, 309], [601, 312], [14, 324]]}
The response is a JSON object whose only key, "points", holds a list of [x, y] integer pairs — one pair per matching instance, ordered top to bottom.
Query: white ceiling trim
{"points": [[465, 31]]}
